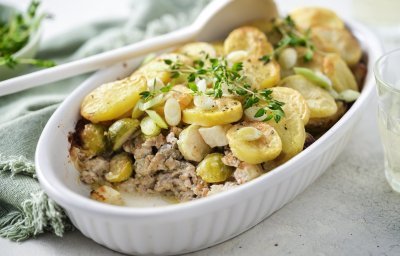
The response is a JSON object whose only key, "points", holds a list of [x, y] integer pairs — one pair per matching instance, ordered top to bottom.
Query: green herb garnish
{"points": [[15, 34], [290, 37], [226, 80]]}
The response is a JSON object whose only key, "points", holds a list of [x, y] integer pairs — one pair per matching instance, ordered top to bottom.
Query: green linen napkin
{"points": [[25, 210]]}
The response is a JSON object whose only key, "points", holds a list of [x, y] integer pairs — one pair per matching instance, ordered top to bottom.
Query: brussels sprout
{"points": [[120, 131], [94, 139], [120, 168], [213, 170]]}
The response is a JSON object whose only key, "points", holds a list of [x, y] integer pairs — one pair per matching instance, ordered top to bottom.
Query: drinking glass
{"points": [[387, 74]]}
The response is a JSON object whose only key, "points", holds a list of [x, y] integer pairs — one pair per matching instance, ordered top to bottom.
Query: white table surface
{"points": [[350, 210]]}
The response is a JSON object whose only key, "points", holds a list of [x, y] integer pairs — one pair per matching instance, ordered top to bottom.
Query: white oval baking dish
{"points": [[197, 224]]}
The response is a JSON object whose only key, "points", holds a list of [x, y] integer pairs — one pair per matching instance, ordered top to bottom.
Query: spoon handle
{"points": [[96, 62]]}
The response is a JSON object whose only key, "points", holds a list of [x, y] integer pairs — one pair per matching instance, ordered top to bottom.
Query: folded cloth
{"points": [[25, 210]]}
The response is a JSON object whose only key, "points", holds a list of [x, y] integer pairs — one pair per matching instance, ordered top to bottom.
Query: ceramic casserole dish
{"points": [[197, 224]]}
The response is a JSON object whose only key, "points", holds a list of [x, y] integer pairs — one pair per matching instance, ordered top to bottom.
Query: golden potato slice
{"points": [[309, 17], [266, 26], [248, 39], [340, 41], [219, 48], [198, 50], [315, 64], [157, 68], [340, 74], [260, 75], [111, 100], [319, 101], [295, 103], [226, 111], [317, 126], [293, 135], [265, 148], [107, 195]]}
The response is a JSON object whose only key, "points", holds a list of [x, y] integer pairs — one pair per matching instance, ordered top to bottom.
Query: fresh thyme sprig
{"points": [[15, 34], [291, 36], [225, 80], [148, 95]]}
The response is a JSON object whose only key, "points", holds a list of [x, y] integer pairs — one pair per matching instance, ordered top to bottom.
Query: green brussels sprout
{"points": [[120, 131], [93, 139], [120, 168], [213, 170]]}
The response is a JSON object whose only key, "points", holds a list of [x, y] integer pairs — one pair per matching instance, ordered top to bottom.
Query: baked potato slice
{"points": [[309, 17], [266, 26], [248, 39], [336, 40], [219, 48], [198, 50], [316, 63], [157, 68], [336, 69], [260, 75], [112, 100], [319, 101], [295, 103], [226, 111], [317, 126], [293, 135], [258, 149], [108, 195]]}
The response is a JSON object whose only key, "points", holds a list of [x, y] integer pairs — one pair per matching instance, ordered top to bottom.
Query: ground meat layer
{"points": [[160, 168]]}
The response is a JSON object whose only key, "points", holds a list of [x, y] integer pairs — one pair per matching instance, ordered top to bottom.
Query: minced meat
{"points": [[160, 167]]}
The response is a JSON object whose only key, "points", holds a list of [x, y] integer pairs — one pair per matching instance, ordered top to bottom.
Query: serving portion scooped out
{"points": [[208, 117]]}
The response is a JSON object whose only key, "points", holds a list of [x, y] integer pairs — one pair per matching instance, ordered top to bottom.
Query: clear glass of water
{"points": [[387, 74]]}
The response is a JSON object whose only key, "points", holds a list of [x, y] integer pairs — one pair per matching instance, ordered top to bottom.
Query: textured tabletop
{"points": [[349, 210]]}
